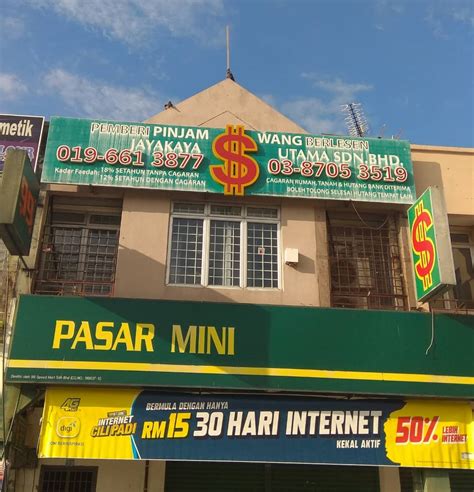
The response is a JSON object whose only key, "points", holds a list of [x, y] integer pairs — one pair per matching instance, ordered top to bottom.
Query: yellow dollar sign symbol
{"points": [[239, 170]]}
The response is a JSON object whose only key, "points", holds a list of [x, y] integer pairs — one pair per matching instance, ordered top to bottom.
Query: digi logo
{"points": [[68, 427]]}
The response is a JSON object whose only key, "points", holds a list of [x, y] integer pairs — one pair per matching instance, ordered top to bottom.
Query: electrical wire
{"points": [[365, 223], [432, 333]]}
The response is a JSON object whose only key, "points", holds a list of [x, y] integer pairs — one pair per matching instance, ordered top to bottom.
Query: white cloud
{"points": [[389, 7], [385, 10], [441, 14], [464, 14], [134, 21], [435, 23], [12, 27], [11, 86], [343, 92], [95, 99], [314, 115], [323, 115]]}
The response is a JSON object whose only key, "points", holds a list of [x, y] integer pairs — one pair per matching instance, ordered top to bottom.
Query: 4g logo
{"points": [[71, 404]]}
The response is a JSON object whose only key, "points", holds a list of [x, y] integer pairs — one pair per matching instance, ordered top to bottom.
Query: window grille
{"points": [[226, 210], [269, 213], [224, 246], [79, 250], [186, 251], [224, 253], [262, 255], [365, 263], [68, 479]]}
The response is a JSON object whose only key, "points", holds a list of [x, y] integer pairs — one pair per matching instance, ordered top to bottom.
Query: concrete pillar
{"points": [[405, 256], [322, 259], [156, 476], [389, 478], [436, 481]]}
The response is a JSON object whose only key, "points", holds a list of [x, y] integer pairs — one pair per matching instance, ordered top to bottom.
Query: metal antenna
{"points": [[227, 35], [229, 74], [355, 119], [382, 130]]}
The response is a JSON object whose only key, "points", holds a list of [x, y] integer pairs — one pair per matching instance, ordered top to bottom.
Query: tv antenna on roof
{"points": [[228, 74], [355, 119], [382, 130], [398, 136]]}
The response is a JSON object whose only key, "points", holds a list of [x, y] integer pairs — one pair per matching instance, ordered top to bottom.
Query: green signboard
{"points": [[232, 161], [19, 190], [431, 245], [104, 341]]}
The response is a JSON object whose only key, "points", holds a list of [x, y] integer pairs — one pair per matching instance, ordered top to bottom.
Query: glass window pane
{"points": [[188, 208], [226, 210], [270, 213], [459, 238], [186, 251], [100, 255], [262, 255], [224, 258], [78, 259], [365, 263], [463, 291]]}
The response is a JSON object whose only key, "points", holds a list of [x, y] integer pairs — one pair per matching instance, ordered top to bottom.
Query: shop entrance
{"points": [[256, 477]]}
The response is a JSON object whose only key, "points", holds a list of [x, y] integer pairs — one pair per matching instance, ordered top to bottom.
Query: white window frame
{"points": [[243, 219]]}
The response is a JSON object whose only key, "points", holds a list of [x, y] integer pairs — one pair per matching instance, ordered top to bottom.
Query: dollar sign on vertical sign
{"points": [[239, 169], [423, 246]]}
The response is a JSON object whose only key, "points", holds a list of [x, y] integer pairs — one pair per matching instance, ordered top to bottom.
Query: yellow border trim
{"points": [[240, 371]]}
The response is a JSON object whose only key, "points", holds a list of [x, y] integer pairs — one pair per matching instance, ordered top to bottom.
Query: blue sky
{"points": [[410, 63]]}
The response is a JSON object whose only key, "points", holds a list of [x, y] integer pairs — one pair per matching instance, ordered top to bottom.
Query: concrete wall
{"points": [[452, 169], [146, 220], [141, 266]]}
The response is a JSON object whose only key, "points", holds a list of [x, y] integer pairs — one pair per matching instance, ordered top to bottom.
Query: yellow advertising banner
{"points": [[137, 424]]}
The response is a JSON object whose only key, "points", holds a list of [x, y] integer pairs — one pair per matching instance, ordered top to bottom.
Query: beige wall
{"points": [[452, 169], [145, 233], [142, 260]]}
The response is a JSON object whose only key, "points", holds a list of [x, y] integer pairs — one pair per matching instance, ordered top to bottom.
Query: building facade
{"points": [[260, 302]]}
